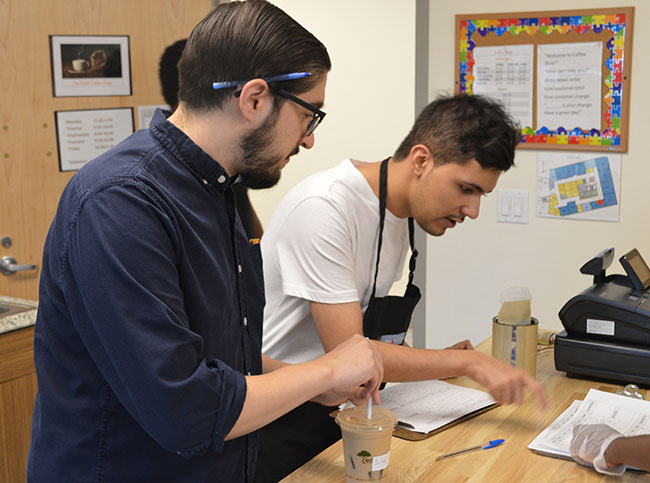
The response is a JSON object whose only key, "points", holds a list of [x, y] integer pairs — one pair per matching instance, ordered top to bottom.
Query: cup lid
{"points": [[356, 419]]}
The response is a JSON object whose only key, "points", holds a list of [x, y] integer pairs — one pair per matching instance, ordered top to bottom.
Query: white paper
{"points": [[505, 73], [569, 85], [145, 114], [84, 135], [579, 186], [427, 405], [627, 415]]}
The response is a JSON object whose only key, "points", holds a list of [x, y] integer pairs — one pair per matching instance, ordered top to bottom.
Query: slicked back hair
{"points": [[242, 41], [461, 128]]}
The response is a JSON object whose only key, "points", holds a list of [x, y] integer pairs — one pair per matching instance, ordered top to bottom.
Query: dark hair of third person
{"points": [[247, 40], [461, 128]]}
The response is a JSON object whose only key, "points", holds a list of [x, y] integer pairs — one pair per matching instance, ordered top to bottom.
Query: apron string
{"points": [[383, 182]]}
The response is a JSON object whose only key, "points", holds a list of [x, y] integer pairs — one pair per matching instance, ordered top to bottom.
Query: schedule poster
{"points": [[505, 73], [85, 134]]}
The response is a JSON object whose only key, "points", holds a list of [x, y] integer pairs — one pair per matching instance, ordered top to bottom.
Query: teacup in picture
{"points": [[91, 60], [79, 65]]}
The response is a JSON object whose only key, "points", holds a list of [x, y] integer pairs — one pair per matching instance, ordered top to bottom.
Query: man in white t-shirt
{"points": [[320, 250]]}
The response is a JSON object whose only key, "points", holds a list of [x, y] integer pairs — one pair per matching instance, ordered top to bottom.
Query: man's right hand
{"points": [[357, 372], [504, 382]]}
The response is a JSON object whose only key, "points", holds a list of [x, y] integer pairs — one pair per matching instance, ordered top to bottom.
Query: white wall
{"points": [[370, 91], [469, 266]]}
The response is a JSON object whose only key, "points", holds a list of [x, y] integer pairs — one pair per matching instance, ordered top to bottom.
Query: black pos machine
{"points": [[607, 326]]}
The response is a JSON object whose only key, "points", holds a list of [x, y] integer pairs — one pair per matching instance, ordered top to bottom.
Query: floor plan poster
{"points": [[578, 186]]}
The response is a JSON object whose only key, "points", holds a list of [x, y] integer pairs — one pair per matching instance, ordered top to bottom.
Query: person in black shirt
{"points": [[168, 73], [147, 342]]}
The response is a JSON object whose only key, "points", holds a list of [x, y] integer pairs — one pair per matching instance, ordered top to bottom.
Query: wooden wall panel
{"points": [[30, 181]]}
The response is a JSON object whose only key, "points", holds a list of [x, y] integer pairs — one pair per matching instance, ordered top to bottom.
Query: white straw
{"points": [[370, 407]]}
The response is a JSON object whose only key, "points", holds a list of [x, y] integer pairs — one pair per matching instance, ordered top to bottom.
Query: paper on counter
{"points": [[427, 405], [627, 415]]}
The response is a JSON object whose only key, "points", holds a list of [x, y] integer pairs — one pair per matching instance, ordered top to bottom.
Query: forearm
{"points": [[336, 322], [403, 363], [270, 365], [269, 396], [632, 451]]}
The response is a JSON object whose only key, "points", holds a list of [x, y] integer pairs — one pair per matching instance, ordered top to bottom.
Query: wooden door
{"points": [[30, 180]]}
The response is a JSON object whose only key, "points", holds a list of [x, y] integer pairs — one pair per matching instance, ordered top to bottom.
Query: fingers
{"points": [[462, 345], [357, 362], [507, 387], [538, 390], [577, 428]]}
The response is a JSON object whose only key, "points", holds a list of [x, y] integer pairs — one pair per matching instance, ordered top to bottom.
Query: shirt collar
{"points": [[200, 163]]}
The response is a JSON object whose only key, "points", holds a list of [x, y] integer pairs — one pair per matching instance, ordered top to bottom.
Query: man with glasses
{"points": [[321, 264], [148, 335]]}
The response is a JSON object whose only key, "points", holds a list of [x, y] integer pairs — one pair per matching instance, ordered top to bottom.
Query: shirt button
{"points": [[221, 179], [205, 181], [239, 268], [245, 321], [249, 373]]}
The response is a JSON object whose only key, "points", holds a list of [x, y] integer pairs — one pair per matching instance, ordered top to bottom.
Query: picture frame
{"points": [[85, 65]]}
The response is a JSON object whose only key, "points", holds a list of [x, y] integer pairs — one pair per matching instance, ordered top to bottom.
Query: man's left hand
{"points": [[462, 345]]}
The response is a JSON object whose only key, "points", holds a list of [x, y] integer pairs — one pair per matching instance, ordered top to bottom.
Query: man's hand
{"points": [[462, 345], [357, 372], [505, 383], [336, 397]]}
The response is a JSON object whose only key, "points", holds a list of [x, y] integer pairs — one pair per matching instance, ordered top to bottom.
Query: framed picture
{"points": [[84, 65]]}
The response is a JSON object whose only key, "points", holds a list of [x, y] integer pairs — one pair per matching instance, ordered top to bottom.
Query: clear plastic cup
{"points": [[366, 442]]}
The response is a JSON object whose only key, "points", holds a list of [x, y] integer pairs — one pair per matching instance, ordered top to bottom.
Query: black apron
{"points": [[388, 318]]}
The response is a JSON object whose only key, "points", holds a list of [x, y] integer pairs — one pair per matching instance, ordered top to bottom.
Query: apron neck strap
{"points": [[383, 182]]}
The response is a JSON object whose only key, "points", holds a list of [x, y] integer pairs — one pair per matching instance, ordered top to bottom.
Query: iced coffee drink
{"points": [[366, 442]]}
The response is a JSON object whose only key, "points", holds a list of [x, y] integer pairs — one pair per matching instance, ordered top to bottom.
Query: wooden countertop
{"points": [[414, 461]]}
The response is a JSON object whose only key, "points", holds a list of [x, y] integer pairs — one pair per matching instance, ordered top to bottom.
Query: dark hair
{"points": [[247, 40], [168, 72], [461, 128]]}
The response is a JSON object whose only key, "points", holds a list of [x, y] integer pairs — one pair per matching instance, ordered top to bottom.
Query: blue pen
{"points": [[273, 78], [488, 445]]}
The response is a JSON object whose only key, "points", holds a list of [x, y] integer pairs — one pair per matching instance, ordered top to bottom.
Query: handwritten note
{"points": [[569, 79]]}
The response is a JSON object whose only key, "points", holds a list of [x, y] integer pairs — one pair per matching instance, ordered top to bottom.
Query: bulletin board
{"points": [[565, 74]]}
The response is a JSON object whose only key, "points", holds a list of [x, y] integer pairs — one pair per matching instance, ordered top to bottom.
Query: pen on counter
{"points": [[488, 445]]}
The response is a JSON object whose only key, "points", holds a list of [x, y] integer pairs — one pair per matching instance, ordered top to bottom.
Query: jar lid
{"points": [[356, 419]]}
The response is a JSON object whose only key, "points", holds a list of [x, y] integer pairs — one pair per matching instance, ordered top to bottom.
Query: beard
{"points": [[260, 165]]}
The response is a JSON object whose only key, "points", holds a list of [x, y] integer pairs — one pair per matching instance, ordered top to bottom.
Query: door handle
{"points": [[8, 266]]}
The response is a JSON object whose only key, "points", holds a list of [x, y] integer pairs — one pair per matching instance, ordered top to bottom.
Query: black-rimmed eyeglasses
{"points": [[317, 114]]}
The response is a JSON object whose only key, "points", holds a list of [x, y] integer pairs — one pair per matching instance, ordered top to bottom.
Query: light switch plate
{"points": [[512, 206]]}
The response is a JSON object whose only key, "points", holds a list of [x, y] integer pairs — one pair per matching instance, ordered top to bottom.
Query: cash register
{"points": [[607, 326]]}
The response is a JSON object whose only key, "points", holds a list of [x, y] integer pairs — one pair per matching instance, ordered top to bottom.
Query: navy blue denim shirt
{"points": [[150, 315]]}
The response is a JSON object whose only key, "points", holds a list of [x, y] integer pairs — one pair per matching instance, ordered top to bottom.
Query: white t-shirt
{"points": [[321, 246]]}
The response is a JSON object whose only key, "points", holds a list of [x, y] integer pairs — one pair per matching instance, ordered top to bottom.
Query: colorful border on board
{"points": [[611, 136]]}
